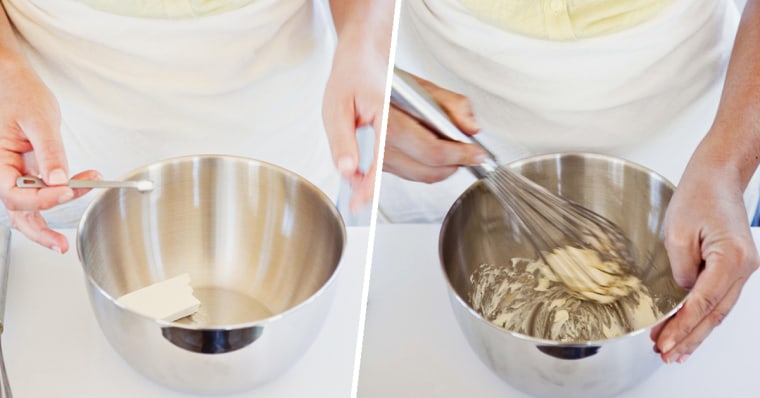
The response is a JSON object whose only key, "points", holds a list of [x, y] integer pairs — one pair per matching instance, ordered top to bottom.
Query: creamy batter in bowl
{"points": [[478, 241], [526, 296]]}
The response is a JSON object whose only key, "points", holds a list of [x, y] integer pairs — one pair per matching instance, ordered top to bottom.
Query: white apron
{"points": [[132, 91], [647, 94]]}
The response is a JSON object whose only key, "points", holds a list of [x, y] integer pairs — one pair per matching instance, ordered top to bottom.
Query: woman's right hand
{"points": [[31, 144], [415, 153]]}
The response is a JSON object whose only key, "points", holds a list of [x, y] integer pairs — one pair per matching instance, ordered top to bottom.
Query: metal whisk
{"points": [[587, 252]]}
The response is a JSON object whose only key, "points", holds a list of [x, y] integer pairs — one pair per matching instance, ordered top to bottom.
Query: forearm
{"points": [[369, 21], [9, 47], [734, 139]]}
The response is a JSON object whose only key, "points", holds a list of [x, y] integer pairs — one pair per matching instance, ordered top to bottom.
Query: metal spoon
{"points": [[140, 185]]}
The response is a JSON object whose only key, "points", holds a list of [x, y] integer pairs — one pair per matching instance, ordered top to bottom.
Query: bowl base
{"points": [[220, 306]]}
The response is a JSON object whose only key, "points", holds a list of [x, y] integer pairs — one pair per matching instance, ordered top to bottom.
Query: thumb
{"points": [[456, 106], [460, 111], [341, 135], [45, 136], [685, 257]]}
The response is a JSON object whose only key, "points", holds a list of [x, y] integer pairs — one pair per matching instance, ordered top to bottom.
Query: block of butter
{"points": [[169, 300]]}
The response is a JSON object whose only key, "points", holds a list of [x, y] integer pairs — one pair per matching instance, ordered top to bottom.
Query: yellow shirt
{"points": [[166, 8], [564, 19]]}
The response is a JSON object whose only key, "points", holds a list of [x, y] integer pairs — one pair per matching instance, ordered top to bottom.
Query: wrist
{"points": [[364, 26], [11, 60], [735, 156]]}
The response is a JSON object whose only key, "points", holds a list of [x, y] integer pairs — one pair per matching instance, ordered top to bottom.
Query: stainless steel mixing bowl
{"points": [[477, 230], [261, 245]]}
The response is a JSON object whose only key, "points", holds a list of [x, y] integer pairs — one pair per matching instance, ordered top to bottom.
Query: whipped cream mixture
{"points": [[584, 273], [529, 297]]}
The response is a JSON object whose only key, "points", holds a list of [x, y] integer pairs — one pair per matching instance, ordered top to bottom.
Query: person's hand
{"points": [[354, 97], [30, 144], [415, 153], [711, 252]]}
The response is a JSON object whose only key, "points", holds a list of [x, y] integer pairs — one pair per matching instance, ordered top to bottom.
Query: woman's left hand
{"points": [[355, 92], [707, 232], [711, 251]]}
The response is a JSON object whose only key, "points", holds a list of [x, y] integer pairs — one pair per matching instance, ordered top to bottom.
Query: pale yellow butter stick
{"points": [[169, 300]]}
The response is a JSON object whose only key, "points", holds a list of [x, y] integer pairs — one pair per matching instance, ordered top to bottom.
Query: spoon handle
{"points": [[34, 182]]}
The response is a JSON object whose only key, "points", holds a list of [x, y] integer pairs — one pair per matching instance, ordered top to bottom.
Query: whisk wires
{"points": [[586, 252]]}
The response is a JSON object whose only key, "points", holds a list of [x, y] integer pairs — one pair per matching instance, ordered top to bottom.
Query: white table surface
{"points": [[413, 346], [54, 348]]}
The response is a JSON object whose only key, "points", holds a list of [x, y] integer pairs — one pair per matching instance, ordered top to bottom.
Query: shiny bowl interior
{"points": [[478, 230], [256, 240], [261, 246]]}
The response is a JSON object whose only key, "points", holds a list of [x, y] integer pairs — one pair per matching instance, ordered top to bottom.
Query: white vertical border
{"points": [[375, 196]]}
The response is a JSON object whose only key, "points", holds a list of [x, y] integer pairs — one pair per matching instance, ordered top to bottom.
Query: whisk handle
{"points": [[410, 98]]}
